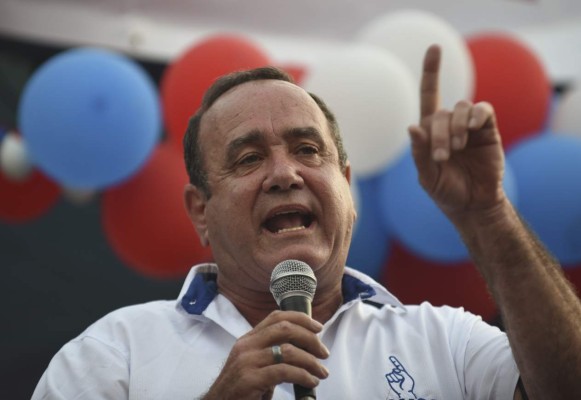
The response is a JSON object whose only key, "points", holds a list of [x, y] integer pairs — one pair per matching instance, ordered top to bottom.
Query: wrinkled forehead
{"points": [[264, 104]]}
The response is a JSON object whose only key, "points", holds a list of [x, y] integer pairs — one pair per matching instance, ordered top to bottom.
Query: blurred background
{"points": [[95, 96]]}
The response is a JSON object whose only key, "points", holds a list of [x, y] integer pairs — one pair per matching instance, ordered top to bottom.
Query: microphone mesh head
{"points": [[292, 278]]}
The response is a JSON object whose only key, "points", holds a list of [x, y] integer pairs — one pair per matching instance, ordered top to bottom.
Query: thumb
{"points": [[268, 394]]}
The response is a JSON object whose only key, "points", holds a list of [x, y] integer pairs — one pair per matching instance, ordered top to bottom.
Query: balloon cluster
{"points": [[91, 120]]}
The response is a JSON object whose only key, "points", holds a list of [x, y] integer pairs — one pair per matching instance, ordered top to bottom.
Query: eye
{"points": [[308, 149], [250, 158]]}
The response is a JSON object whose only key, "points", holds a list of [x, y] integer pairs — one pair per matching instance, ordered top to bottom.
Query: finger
{"points": [[429, 89], [482, 116], [459, 124], [482, 126], [440, 136], [427, 169], [295, 317], [287, 331], [294, 356], [396, 363], [279, 373], [268, 394]]}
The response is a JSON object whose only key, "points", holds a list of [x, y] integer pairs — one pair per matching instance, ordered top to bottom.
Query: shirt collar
{"points": [[200, 288]]}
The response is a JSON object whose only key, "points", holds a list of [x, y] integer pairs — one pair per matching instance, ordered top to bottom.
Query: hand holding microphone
{"points": [[293, 286], [283, 347]]}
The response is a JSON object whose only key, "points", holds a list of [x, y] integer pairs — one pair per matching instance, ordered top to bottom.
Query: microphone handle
{"points": [[296, 303], [301, 304]]}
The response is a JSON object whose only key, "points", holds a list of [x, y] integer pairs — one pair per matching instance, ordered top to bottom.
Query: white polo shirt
{"points": [[380, 350]]}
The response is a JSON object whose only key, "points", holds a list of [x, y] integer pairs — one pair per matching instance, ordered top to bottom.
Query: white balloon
{"points": [[409, 33], [375, 99], [567, 114], [14, 160]]}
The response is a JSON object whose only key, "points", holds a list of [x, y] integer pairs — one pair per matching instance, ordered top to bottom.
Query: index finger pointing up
{"points": [[429, 88]]}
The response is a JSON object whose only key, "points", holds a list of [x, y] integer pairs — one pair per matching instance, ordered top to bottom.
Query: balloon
{"points": [[408, 33], [297, 71], [511, 77], [187, 78], [374, 98], [567, 114], [90, 118], [14, 160], [547, 169], [26, 200], [145, 220], [415, 220], [370, 243], [573, 274], [415, 280]]}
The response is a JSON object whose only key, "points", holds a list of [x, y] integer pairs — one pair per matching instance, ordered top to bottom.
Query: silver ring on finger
{"points": [[277, 354]]}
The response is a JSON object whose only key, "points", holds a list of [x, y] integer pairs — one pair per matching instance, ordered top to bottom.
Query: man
{"points": [[270, 182]]}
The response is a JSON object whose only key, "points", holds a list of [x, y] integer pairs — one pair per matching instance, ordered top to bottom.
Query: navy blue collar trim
{"points": [[354, 288], [203, 289], [200, 294]]}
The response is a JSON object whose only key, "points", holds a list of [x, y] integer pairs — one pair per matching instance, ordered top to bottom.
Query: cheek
{"points": [[233, 203]]}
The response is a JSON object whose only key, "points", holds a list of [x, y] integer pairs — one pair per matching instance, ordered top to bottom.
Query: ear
{"points": [[348, 172], [348, 177], [195, 201]]}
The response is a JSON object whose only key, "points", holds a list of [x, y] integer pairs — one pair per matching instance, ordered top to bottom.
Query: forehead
{"points": [[266, 106]]}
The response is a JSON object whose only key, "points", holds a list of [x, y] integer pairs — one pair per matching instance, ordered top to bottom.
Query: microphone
{"points": [[293, 284]]}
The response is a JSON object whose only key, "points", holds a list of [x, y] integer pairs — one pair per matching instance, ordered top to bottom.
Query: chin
{"points": [[313, 259]]}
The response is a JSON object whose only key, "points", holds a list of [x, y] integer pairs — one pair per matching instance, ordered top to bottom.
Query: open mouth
{"points": [[288, 221]]}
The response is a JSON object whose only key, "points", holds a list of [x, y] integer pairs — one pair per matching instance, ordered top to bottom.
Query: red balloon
{"points": [[298, 72], [512, 78], [184, 82], [27, 200], [146, 222], [573, 273], [414, 280]]}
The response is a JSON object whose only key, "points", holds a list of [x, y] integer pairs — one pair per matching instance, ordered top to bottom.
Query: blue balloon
{"points": [[90, 118], [548, 177], [414, 219], [370, 244]]}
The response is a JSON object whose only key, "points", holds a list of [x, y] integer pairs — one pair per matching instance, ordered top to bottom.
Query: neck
{"points": [[256, 305]]}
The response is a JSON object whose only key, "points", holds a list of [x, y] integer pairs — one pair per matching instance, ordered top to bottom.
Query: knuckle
{"points": [[463, 104], [484, 106], [284, 326], [241, 346], [286, 349], [236, 351]]}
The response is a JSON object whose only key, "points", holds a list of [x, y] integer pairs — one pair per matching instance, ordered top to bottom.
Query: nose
{"points": [[282, 174]]}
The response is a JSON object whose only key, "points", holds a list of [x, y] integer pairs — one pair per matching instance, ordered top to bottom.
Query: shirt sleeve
{"points": [[85, 368], [490, 371]]}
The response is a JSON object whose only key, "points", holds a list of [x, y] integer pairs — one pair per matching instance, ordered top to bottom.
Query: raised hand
{"points": [[458, 153], [254, 368]]}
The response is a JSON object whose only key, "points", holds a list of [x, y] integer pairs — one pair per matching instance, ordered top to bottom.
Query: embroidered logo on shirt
{"points": [[401, 382]]}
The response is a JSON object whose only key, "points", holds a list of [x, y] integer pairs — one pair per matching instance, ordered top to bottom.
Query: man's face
{"points": [[277, 191]]}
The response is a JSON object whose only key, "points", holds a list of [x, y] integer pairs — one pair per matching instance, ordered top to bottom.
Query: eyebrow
{"points": [[308, 132], [255, 137], [250, 138]]}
